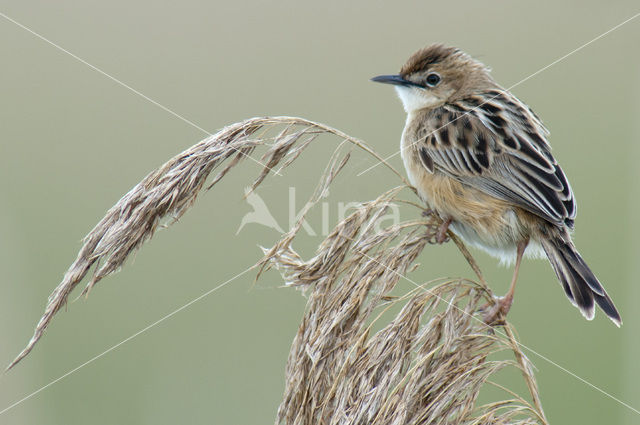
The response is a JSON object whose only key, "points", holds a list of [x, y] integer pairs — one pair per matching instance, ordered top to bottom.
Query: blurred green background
{"points": [[72, 142]]}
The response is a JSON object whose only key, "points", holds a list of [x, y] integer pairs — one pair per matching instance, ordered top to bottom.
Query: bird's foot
{"points": [[437, 228], [441, 235], [495, 313]]}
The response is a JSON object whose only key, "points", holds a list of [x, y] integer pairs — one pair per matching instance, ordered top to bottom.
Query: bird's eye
{"points": [[433, 79]]}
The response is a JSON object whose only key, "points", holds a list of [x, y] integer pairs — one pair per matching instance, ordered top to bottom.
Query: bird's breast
{"points": [[479, 218]]}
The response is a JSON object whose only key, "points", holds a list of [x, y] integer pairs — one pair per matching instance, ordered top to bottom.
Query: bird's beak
{"points": [[396, 80]]}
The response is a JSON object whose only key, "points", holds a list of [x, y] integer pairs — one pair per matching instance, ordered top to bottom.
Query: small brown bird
{"points": [[479, 158]]}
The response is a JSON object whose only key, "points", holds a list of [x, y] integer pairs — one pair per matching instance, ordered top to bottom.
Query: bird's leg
{"points": [[441, 236], [512, 289], [497, 313]]}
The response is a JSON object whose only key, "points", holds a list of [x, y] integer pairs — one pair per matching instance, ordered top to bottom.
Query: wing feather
{"points": [[496, 144]]}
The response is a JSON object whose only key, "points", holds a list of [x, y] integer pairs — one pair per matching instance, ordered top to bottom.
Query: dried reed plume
{"points": [[427, 364]]}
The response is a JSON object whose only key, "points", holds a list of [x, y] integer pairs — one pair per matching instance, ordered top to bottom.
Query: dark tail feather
{"points": [[579, 283]]}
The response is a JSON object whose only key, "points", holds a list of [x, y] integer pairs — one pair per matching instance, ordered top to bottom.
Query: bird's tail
{"points": [[579, 283]]}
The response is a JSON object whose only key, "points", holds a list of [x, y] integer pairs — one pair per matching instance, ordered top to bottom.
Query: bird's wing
{"points": [[495, 143]]}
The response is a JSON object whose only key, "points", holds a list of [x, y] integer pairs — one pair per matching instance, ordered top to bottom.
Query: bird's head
{"points": [[435, 75]]}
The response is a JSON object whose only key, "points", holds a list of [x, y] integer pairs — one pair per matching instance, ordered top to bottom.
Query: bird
{"points": [[480, 159], [260, 213]]}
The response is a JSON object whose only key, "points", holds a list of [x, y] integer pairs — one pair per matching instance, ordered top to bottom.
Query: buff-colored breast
{"points": [[480, 219]]}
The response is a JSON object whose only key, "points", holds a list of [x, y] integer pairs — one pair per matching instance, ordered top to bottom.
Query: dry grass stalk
{"points": [[427, 365]]}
